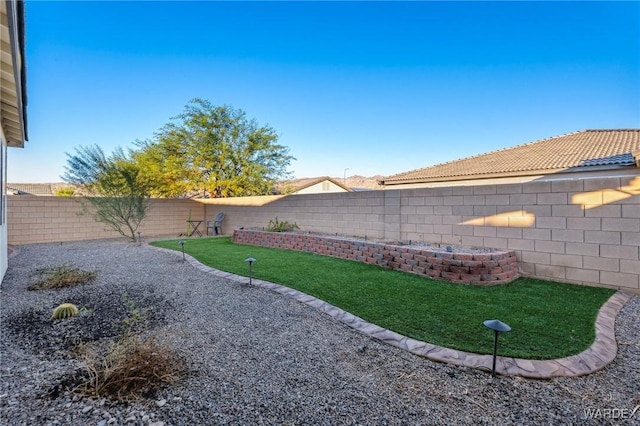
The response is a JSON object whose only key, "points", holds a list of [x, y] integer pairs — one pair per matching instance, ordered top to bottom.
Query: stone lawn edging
{"points": [[496, 267], [601, 352]]}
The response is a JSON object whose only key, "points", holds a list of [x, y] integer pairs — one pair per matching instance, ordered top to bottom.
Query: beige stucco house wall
{"points": [[13, 129], [4, 263]]}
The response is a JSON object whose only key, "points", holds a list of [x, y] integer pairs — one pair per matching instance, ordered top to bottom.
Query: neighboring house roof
{"points": [[13, 85], [579, 151], [307, 183], [29, 189]]}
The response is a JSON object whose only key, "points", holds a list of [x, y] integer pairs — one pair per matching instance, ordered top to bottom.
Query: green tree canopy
{"points": [[212, 150]]}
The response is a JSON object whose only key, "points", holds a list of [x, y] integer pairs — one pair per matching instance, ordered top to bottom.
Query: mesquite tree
{"points": [[215, 151], [118, 196]]}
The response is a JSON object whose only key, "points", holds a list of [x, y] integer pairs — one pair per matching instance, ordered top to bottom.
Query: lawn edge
{"points": [[601, 352]]}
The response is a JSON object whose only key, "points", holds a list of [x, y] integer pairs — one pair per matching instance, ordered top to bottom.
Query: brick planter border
{"points": [[497, 267]]}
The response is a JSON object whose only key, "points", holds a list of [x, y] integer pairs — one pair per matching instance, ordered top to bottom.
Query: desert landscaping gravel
{"points": [[257, 357]]}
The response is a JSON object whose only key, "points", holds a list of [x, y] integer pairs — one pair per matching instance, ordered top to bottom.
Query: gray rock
{"points": [[257, 357]]}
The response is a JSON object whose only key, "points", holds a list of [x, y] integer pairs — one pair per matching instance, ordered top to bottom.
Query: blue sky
{"points": [[372, 87]]}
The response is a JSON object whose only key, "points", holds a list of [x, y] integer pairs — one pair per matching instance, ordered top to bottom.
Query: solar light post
{"points": [[139, 238], [181, 242], [250, 261], [497, 326]]}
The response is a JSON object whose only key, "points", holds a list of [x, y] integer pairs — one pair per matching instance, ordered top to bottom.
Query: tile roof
{"points": [[578, 150], [29, 188]]}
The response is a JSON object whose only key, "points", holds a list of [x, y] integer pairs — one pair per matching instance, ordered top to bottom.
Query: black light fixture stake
{"points": [[181, 242], [250, 261], [497, 326]]}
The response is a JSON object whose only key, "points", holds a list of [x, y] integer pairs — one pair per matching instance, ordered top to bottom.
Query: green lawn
{"points": [[548, 320]]}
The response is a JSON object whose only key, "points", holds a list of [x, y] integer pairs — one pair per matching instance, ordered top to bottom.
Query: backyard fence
{"points": [[583, 231]]}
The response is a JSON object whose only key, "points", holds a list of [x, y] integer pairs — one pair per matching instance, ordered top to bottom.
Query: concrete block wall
{"points": [[361, 214], [35, 219], [584, 231]]}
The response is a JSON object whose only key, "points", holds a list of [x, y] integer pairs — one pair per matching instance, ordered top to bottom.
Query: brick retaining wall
{"points": [[497, 267]]}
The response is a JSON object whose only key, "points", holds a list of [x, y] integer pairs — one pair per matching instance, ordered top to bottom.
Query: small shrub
{"points": [[65, 192], [281, 226], [63, 276], [66, 310], [136, 316], [132, 368]]}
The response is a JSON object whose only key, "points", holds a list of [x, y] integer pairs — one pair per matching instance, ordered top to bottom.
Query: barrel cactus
{"points": [[66, 310]]}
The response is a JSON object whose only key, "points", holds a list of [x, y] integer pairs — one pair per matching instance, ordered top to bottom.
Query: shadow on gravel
{"points": [[103, 315], [106, 316]]}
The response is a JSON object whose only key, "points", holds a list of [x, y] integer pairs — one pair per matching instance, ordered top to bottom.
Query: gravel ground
{"points": [[256, 357]]}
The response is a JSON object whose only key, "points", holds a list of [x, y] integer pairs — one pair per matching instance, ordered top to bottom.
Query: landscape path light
{"points": [[181, 242], [250, 261], [497, 326]]}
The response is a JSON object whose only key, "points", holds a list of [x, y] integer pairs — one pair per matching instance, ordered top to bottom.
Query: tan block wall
{"points": [[359, 214], [51, 219], [581, 231]]}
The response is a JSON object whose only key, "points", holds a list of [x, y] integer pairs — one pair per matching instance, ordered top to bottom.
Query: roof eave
{"points": [[16, 105], [511, 174]]}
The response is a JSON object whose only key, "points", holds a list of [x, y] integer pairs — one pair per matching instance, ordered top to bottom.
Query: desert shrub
{"points": [[65, 191], [281, 226], [62, 276], [136, 316], [132, 368]]}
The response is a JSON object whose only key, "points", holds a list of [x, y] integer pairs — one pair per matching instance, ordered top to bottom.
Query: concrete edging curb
{"points": [[601, 352]]}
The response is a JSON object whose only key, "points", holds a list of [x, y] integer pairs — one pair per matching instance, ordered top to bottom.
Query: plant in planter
{"points": [[281, 226]]}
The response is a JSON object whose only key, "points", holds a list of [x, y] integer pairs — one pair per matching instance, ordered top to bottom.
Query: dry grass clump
{"points": [[62, 276], [132, 368]]}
